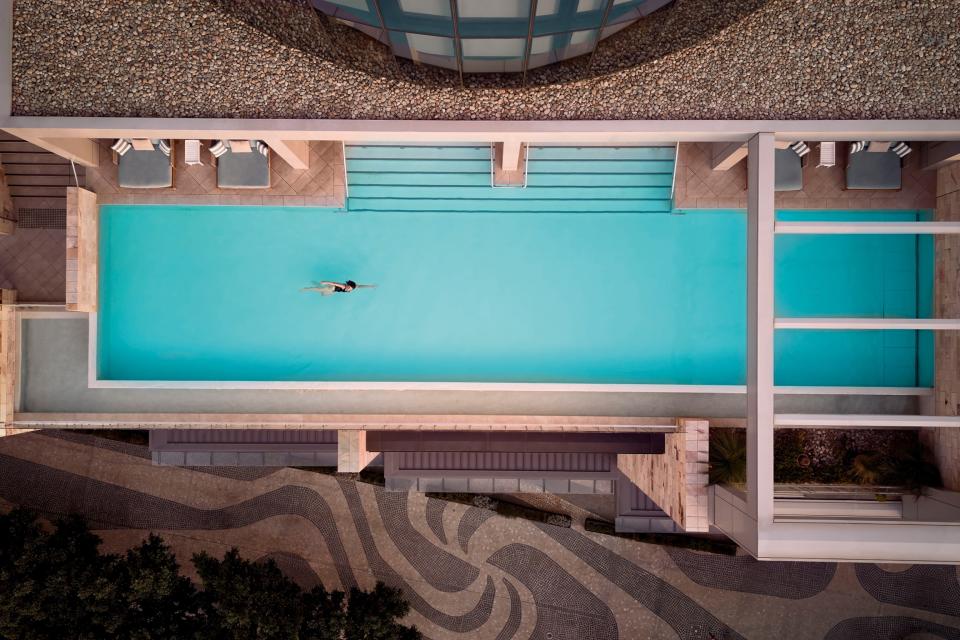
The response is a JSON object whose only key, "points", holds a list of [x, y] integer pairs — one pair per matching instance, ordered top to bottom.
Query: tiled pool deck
{"points": [[322, 185], [700, 187]]}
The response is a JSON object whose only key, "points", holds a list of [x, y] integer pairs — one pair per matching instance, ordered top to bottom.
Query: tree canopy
{"points": [[56, 584]]}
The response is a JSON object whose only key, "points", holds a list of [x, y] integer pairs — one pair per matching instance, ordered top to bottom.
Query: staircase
{"points": [[457, 178], [38, 180]]}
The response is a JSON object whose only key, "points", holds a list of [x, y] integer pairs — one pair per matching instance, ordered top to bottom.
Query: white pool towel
{"points": [[121, 146], [857, 147], [800, 148], [218, 149], [902, 149], [191, 152], [828, 154]]}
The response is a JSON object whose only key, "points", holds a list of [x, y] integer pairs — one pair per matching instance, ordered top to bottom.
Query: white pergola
{"points": [[750, 517]]}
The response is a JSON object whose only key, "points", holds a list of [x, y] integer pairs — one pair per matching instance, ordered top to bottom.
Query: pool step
{"points": [[559, 179]]}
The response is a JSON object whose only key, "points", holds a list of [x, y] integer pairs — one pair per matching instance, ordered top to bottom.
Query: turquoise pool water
{"points": [[212, 293]]}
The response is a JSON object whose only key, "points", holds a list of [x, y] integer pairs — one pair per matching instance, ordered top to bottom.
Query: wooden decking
{"points": [[37, 178]]}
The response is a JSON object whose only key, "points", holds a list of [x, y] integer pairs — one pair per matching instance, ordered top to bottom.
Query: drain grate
{"points": [[42, 218]]}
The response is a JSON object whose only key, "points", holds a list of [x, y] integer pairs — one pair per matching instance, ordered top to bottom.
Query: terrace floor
{"points": [[322, 185], [698, 186], [33, 261], [946, 442], [467, 572]]}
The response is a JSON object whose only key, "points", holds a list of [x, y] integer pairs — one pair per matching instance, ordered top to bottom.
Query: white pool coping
{"points": [[95, 382]]}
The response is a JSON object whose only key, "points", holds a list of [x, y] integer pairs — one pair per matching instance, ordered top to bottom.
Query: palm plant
{"points": [[728, 456], [869, 467]]}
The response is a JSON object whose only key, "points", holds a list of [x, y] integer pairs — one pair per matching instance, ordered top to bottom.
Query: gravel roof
{"points": [[729, 59]]}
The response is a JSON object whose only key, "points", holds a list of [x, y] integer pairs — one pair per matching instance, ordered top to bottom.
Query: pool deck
{"points": [[322, 185], [700, 187]]}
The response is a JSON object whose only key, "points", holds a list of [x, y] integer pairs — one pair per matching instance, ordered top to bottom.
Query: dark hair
{"points": [[351, 283]]}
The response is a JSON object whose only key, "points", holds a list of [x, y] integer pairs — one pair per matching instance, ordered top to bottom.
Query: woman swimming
{"points": [[327, 287]]}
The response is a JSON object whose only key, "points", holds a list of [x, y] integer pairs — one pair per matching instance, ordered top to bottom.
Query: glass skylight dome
{"points": [[485, 36]]}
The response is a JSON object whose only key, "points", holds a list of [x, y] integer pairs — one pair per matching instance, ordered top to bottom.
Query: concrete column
{"points": [[296, 153], [727, 154], [510, 158], [902, 228], [878, 324], [760, 329], [352, 454]]}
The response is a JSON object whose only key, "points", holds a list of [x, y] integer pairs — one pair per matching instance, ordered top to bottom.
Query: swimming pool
{"points": [[213, 294]]}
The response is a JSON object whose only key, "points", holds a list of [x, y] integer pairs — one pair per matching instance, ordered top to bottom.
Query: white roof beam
{"points": [[868, 228], [877, 324], [760, 332], [865, 421]]}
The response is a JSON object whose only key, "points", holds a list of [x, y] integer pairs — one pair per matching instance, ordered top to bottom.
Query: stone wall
{"points": [[946, 442], [676, 479]]}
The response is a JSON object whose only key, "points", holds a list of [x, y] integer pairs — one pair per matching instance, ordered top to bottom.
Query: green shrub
{"points": [[58, 585]]}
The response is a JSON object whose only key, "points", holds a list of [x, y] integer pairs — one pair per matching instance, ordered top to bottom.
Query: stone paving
{"points": [[321, 185], [698, 186], [33, 261], [468, 573]]}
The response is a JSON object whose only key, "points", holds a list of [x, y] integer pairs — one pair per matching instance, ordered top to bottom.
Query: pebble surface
{"points": [[694, 59]]}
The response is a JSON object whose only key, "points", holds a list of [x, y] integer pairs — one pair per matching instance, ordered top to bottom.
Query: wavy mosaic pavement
{"points": [[467, 572], [794, 580], [927, 587]]}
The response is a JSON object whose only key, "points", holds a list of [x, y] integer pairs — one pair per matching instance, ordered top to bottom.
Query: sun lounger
{"points": [[788, 167], [136, 169], [242, 170], [875, 170]]}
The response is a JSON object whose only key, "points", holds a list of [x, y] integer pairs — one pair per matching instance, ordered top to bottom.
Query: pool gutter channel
{"points": [[95, 382]]}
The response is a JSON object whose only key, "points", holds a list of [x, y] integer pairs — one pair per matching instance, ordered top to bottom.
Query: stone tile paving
{"points": [[737, 59], [321, 185], [698, 186], [33, 261], [525, 580]]}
